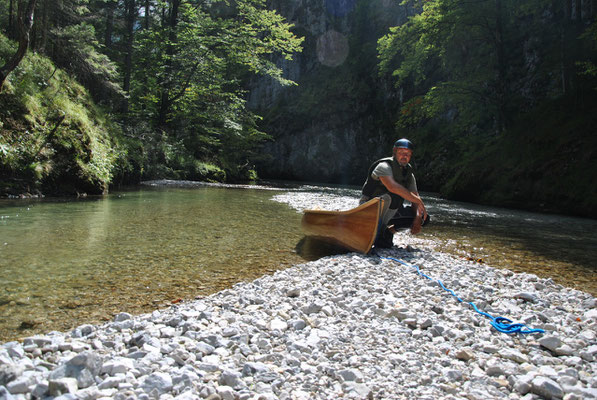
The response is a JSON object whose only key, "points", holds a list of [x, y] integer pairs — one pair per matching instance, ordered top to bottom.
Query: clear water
{"points": [[561, 247], [70, 262], [65, 263]]}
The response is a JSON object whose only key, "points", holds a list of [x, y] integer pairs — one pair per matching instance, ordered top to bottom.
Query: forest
{"points": [[119, 91], [505, 92], [500, 94]]}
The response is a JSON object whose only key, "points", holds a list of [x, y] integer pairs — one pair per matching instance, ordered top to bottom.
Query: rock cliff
{"points": [[338, 119]]}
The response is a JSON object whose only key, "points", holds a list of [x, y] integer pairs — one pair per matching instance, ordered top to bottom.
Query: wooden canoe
{"points": [[353, 229]]}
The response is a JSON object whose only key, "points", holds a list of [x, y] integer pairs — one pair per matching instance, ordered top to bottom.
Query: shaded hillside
{"points": [[53, 138], [547, 162]]}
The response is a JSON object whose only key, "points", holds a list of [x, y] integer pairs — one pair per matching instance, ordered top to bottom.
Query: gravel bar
{"points": [[348, 326]]}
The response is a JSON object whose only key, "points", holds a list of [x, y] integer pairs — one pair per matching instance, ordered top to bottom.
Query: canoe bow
{"points": [[354, 229]]}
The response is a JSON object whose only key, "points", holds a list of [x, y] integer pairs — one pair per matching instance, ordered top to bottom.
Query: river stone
{"points": [[526, 297], [589, 303], [312, 308], [591, 314], [122, 317], [277, 324], [297, 324], [83, 330], [587, 335], [39, 341], [550, 342], [14, 350], [564, 350], [592, 350], [465, 354], [514, 355], [83, 367], [252, 368], [9, 372], [452, 374], [350, 375], [232, 379], [159, 381], [111, 382], [523, 384], [20, 385], [57, 387], [547, 388], [356, 390], [39, 391], [226, 392]]}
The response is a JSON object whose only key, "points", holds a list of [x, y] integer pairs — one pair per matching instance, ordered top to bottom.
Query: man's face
{"points": [[403, 156]]}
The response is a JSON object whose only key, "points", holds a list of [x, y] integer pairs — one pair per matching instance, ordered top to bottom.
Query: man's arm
{"points": [[396, 188], [413, 197]]}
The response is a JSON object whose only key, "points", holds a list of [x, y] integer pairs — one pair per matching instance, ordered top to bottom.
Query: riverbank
{"points": [[347, 326]]}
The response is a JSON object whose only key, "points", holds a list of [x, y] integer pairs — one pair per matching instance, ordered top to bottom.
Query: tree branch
{"points": [[24, 21]]}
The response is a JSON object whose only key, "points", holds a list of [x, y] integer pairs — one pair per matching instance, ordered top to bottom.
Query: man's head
{"points": [[403, 151]]}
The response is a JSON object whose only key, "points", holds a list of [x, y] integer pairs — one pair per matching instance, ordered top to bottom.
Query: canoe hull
{"points": [[353, 229]]}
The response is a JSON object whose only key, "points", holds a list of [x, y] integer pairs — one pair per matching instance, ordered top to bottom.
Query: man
{"points": [[392, 180]]}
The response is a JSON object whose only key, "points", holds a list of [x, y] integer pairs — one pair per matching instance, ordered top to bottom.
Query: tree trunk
{"points": [[147, 13], [131, 16], [24, 22], [109, 24], [44, 26], [10, 31], [33, 35], [564, 45], [165, 100]]}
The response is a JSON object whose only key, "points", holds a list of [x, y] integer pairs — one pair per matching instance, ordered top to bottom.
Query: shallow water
{"points": [[550, 246], [65, 263]]}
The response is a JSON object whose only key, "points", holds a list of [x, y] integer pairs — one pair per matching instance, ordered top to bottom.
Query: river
{"points": [[64, 263]]}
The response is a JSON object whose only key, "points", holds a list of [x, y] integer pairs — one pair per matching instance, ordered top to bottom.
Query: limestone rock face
{"points": [[329, 128]]}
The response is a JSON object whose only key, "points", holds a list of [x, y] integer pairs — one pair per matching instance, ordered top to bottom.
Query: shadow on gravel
{"points": [[312, 249]]}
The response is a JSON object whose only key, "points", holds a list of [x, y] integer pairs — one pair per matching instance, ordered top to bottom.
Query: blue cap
{"points": [[404, 144]]}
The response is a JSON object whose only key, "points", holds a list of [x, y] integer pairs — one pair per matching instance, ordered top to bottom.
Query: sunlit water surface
{"points": [[65, 263]]}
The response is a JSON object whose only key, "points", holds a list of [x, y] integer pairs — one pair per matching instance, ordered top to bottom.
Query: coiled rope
{"points": [[500, 324]]}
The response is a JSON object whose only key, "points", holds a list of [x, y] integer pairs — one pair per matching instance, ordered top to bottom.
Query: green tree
{"points": [[484, 61], [589, 67], [189, 73]]}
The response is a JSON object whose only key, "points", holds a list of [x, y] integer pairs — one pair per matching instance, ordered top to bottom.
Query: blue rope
{"points": [[500, 324]]}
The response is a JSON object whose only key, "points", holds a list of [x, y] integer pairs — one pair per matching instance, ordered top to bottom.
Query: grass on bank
{"points": [[56, 140]]}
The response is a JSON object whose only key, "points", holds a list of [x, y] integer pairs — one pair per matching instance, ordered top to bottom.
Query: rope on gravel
{"points": [[500, 324]]}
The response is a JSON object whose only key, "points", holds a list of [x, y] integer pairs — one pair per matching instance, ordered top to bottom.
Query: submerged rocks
{"points": [[350, 326]]}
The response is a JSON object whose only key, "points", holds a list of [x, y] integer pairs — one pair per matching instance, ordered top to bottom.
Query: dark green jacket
{"points": [[402, 175]]}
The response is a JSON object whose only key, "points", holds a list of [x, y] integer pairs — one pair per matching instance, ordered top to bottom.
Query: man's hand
{"points": [[422, 211], [420, 216]]}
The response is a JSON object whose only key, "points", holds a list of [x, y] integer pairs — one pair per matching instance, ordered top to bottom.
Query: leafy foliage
{"points": [[484, 61], [171, 72], [188, 80], [499, 94], [53, 137]]}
